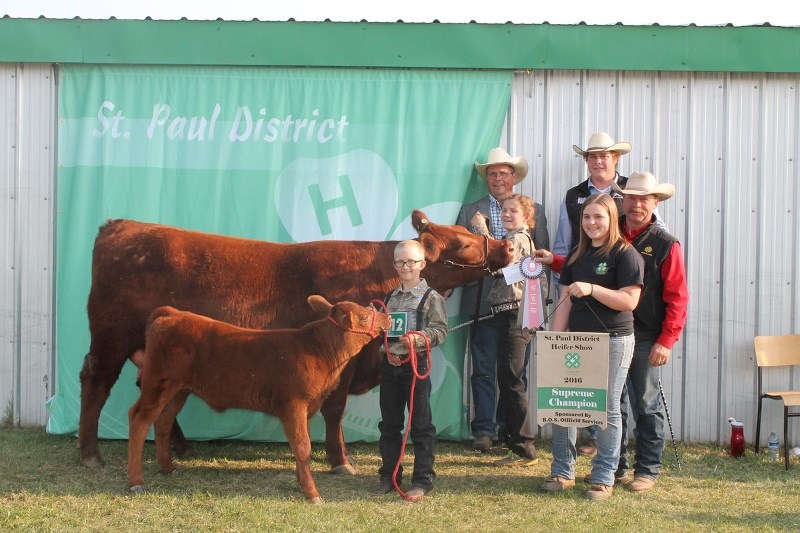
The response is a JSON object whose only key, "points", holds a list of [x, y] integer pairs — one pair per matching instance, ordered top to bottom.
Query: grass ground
{"points": [[246, 486]]}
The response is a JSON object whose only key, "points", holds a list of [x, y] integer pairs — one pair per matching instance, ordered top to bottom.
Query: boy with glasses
{"points": [[417, 308]]}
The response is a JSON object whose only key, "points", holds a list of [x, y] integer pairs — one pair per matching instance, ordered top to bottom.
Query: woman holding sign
{"points": [[601, 284]]}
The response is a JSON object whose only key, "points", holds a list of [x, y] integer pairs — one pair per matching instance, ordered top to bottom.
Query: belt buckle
{"points": [[508, 306], [393, 359]]}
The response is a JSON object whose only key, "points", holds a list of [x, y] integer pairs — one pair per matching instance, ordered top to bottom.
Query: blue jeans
{"points": [[483, 350], [512, 363], [642, 393], [395, 397], [624, 401], [647, 410], [605, 462]]}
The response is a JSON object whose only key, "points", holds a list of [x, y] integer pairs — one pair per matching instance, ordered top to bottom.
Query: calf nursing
{"points": [[286, 373]]}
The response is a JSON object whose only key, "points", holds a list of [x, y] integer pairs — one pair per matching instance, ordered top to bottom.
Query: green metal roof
{"points": [[401, 45]]}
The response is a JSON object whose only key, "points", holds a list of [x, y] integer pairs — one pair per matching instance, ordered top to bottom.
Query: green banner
{"points": [[277, 154]]}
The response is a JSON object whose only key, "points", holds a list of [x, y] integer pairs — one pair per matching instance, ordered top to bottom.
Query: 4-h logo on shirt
{"points": [[601, 269], [572, 360]]}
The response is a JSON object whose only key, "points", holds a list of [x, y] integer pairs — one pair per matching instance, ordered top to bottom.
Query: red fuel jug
{"points": [[737, 438]]}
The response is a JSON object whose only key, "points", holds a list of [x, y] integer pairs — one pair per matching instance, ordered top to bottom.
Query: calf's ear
{"points": [[429, 242], [319, 303]]}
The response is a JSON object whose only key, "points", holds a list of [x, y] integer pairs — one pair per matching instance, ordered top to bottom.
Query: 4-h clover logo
{"points": [[602, 268], [572, 360]]}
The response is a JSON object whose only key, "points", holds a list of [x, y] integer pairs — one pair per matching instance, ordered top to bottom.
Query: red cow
{"points": [[137, 267], [286, 373]]}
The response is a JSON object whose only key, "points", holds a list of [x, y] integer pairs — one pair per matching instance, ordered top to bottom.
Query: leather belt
{"points": [[508, 306]]}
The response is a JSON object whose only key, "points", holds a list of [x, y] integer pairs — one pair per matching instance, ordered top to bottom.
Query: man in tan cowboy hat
{"points": [[601, 155], [500, 172], [657, 320]]}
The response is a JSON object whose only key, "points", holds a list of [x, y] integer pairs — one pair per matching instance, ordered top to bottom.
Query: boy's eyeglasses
{"points": [[410, 263]]}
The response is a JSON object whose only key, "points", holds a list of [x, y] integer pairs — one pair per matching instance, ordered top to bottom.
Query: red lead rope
{"points": [[412, 358]]}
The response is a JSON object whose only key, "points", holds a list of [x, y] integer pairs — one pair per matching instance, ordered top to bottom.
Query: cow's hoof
{"points": [[92, 462], [345, 470], [138, 489], [316, 501]]}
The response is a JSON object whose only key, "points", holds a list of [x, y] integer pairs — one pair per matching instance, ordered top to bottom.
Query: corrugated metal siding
{"points": [[28, 119], [8, 122], [729, 143]]}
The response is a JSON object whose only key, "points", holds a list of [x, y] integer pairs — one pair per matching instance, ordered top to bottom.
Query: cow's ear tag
{"points": [[399, 324]]}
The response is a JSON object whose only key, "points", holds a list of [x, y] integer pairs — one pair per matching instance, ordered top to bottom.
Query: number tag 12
{"points": [[399, 324]]}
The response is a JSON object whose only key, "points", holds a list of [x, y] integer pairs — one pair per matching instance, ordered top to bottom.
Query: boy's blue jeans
{"points": [[395, 395], [604, 463]]}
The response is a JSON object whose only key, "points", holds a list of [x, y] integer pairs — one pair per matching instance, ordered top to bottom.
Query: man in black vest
{"points": [[601, 155], [501, 172], [658, 320]]}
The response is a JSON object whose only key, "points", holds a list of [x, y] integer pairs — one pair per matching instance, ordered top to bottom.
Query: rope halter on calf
{"points": [[371, 332]]}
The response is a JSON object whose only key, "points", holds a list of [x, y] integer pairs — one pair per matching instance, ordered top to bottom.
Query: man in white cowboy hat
{"points": [[601, 155], [500, 172], [657, 320]]}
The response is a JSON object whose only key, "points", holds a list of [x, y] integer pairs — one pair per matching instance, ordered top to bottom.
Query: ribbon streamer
{"points": [[532, 304]]}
